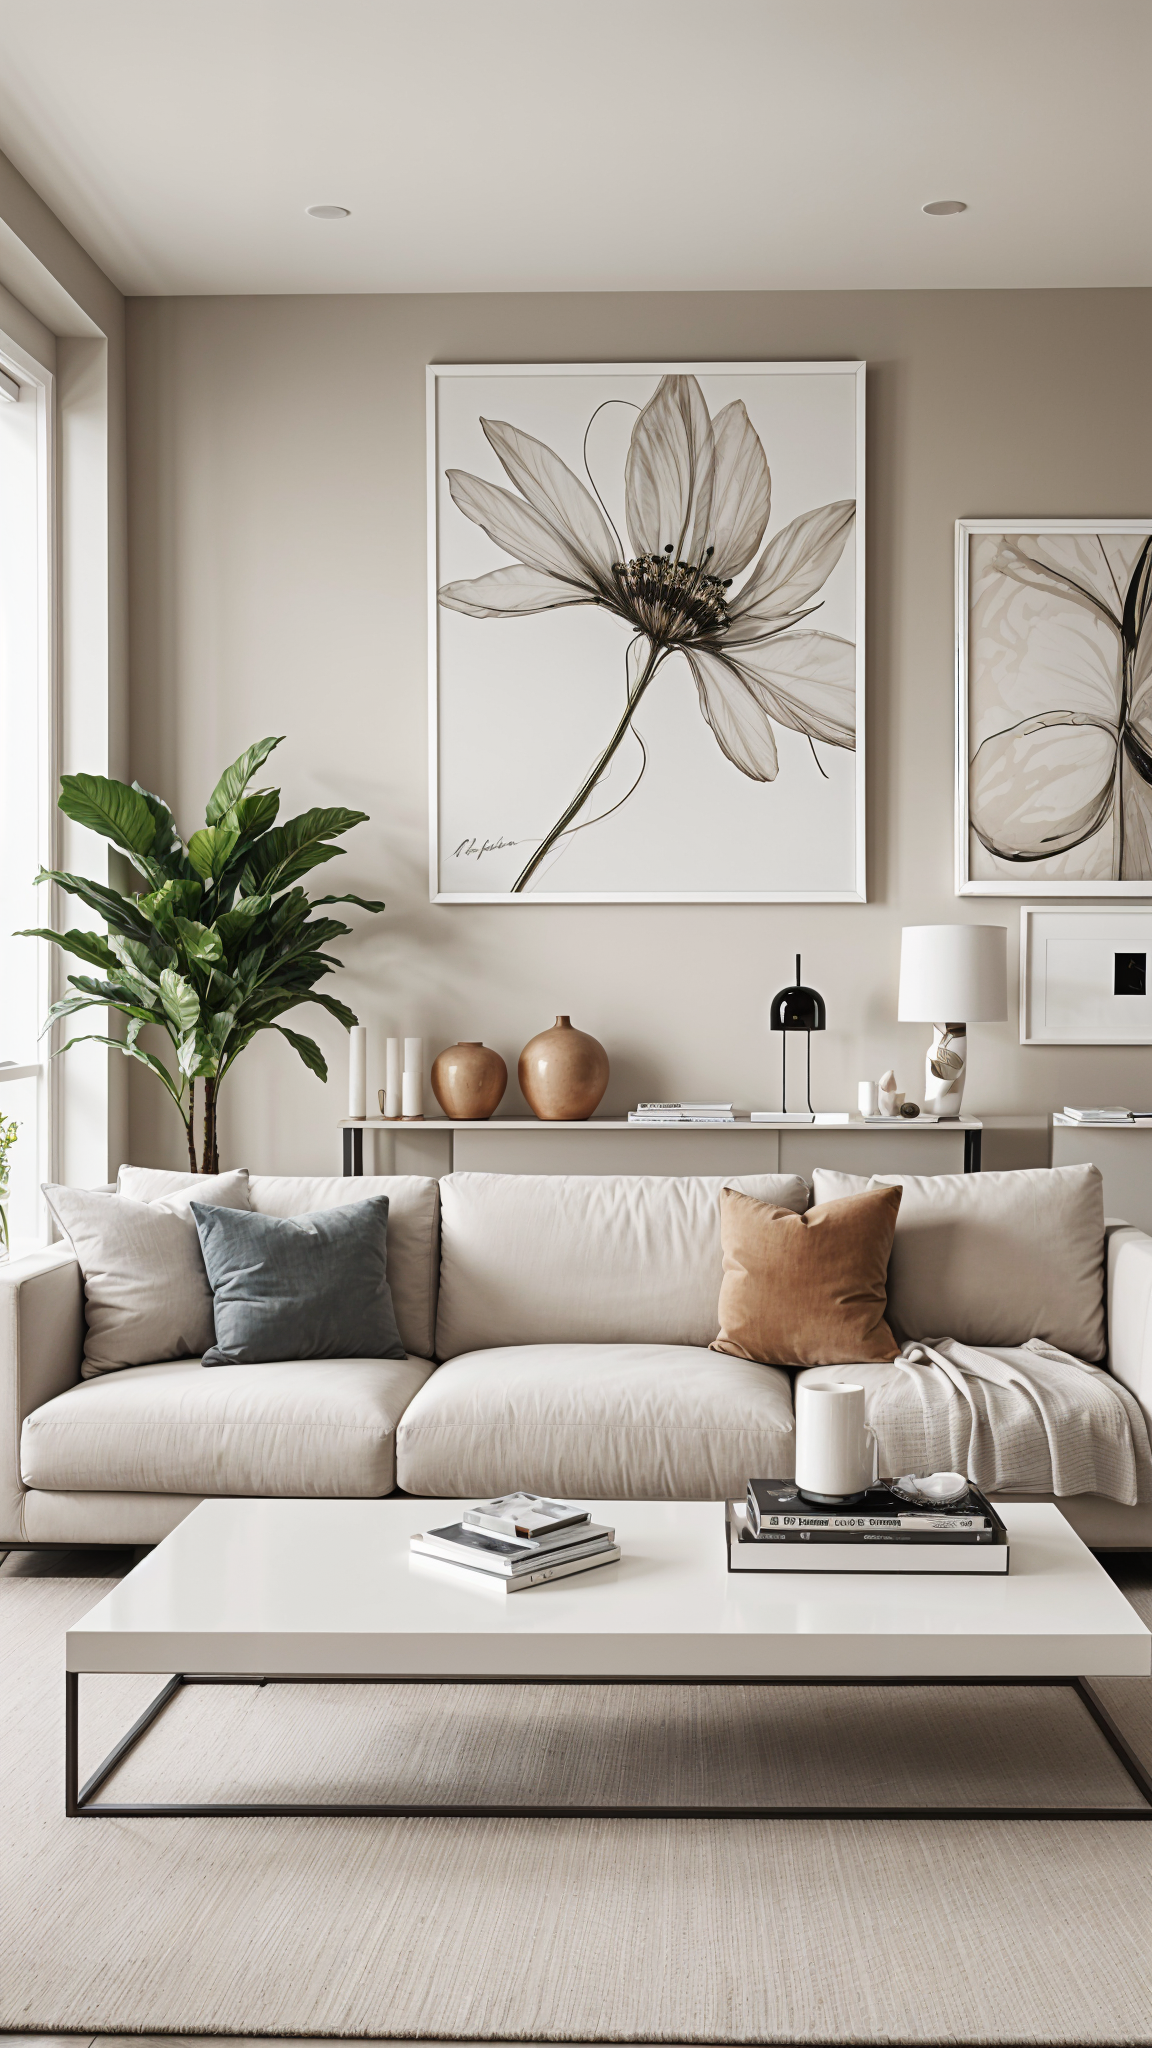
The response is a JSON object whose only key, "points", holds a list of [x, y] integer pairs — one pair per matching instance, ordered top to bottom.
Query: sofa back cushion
{"points": [[413, 1234], [994, 1258], [585, 1259]]}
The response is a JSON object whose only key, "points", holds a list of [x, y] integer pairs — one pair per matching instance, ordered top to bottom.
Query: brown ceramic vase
{"points": [[563, 1073], [469, 1079]]}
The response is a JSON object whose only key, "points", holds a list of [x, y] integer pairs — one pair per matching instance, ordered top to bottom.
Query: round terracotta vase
{"points": [[563, 1073], [469, 1079]]}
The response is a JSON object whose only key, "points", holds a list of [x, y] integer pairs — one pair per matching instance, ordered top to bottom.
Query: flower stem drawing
{"points": [[697, 493]]}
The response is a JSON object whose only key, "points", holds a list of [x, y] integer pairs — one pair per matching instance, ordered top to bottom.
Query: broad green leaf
{"points": [[235, 779], [112, 809], [256, 813], [167, 849], [208, 850], [279, 857], [171, 900], [364, 902], [119, 912], [235, 925], [200, 942], [85, 945], [139, 961], [119, 995], [181, 1002], [335, 1008], [308, 1050], [197, 1056]]}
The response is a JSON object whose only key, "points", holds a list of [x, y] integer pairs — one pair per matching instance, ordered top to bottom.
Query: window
{"points": [[27, 778]]}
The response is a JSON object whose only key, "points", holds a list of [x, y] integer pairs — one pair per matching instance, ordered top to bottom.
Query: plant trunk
{"points": [[190, 1128], [209, 1156]]}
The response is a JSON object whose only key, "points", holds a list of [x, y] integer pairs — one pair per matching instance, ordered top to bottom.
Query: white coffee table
{"points": [[294, 1591]]}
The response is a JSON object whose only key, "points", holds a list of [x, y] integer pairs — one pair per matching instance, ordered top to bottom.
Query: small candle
{"points": [[358, 1070], [392, 1077], [413, 1085]]}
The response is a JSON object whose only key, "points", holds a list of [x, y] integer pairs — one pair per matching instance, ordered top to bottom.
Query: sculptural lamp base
{"points": [[946, 1069]]}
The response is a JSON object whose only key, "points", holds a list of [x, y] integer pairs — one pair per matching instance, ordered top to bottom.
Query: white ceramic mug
{"points": [[836, 1452]]}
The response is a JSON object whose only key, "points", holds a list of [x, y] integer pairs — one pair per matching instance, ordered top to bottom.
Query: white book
{"points": [[681, 1108], [783, 1116], [1099, 1116], [925, 1117], [524, 1514], [483, 1553], [935, 1560], [540, 1575]]}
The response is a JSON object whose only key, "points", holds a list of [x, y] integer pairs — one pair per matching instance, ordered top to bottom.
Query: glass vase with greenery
{"points": [[219, 941], [8, 1130]]}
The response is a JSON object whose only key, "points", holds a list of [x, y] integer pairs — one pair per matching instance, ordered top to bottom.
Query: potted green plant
{"points": [[219, 941], [8, 1130]]}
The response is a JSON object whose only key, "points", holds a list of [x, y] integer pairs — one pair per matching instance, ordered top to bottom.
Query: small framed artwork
{"points": [[646, 633], [1054, 707], [1086, 975]]}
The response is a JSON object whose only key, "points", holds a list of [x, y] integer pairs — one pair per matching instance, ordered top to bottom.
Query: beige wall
{"points": [[278, 585]]}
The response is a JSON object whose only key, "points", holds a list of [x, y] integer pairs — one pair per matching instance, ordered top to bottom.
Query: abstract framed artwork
{"points": [[646, 633], [1054, 707], [1084, 974]]}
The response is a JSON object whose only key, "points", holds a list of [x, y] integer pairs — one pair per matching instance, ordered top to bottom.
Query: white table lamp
{"points": [[951, 971]]}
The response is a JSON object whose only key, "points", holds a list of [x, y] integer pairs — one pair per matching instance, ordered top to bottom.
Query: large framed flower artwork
{"points": [[646, 626], [1054, 707]]}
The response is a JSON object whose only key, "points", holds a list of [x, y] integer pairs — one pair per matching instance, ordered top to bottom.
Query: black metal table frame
{"points": [[353, 1160], [80, 1801]]}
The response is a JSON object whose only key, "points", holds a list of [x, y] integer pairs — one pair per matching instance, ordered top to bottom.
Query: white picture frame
{"points": [[787, 842], [1085, 868], [1068, 959]]}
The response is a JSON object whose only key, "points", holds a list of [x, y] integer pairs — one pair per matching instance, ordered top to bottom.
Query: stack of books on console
{"points": [[682, 1113], [1104, 1116], [777, 1529], [521, 1539]]}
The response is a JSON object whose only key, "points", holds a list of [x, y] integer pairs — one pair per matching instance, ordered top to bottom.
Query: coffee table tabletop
{"points": [[314, 1587]]}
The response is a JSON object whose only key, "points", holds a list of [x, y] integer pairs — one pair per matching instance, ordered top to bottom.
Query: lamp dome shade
{"points": [[954, 972]]}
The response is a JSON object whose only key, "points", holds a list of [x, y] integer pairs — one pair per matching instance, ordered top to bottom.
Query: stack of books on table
{"points": [[682, 1113], [1105, 1116], [776, 1529], [521, 1539]]}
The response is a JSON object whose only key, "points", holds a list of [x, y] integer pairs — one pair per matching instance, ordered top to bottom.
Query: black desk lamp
{"points": [[797, 1009]]}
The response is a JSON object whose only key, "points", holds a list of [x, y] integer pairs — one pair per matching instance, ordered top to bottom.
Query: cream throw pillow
{"points": [[994, 1258], [146, 1291]]}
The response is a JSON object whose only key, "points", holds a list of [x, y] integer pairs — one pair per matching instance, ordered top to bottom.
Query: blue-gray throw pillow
{"points": [[310, 1286]]}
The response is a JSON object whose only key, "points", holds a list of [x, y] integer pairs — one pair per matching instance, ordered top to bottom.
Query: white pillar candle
{"points": [[358, 1070], [392, 1079], [413, 1086]]}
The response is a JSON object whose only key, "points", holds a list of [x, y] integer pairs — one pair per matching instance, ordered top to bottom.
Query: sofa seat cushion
{"points": [[610, 1421], [306, 1428]]}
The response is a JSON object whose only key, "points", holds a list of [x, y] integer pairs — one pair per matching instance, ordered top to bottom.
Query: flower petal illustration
{"points": [[669, 474], [741, 492], [557, 495], [514, 526], [793, 566], [1074, 566], [511, 594], [806, 681], [736, 716], [1043, 786]]}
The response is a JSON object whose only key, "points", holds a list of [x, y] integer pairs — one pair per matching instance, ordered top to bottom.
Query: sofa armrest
{"points": [[1129, 1254], [41, 1346]]}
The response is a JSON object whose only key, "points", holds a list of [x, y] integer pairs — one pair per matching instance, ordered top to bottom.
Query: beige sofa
{"points": [[557, 1331]]}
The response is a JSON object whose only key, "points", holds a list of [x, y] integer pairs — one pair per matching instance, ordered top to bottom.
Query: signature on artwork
{"points": [[475, 849]]}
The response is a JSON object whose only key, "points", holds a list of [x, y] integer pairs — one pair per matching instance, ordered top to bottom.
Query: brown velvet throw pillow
{"points": [[811, 1289]]}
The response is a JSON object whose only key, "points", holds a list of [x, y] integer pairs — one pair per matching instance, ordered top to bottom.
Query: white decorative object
{"points": [[689, 535], [1054, 763], [954, 971], [1084, 975], [358, 1070], [393, 1078], [413, 1081], [868, 1097], [890, 1098], [836, 1452]]}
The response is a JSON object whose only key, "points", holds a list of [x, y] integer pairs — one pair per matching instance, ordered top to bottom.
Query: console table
{"points": [[606, 1144], [1123, 1152]]}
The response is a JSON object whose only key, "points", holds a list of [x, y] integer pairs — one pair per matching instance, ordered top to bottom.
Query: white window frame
{"points": [[32, 375]]}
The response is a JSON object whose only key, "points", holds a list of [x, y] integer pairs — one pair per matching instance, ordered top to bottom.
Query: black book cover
{"points": [[776, 1506]]}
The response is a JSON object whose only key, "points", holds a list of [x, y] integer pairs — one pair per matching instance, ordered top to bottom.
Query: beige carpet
{"points": [[502, 1930]]}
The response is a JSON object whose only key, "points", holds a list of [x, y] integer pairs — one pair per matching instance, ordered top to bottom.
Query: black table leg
{"points": [[353, 1151], [972, 1151]]}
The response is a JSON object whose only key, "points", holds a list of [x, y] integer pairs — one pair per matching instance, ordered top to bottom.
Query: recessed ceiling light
{"points": [[938, 206], [328, 212]]}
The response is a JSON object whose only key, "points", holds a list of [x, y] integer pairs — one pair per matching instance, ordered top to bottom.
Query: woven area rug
{"points": [[506, 1930]]}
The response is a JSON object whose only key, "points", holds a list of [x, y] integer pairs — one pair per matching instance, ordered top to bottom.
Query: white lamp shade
{"points": [[953, 973]]}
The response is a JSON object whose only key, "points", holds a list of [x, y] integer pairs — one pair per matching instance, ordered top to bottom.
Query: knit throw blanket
{"points": [[979, 1408]]}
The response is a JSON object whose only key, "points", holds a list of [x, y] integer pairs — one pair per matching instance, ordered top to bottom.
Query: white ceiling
{"points": [[599, 145]]}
